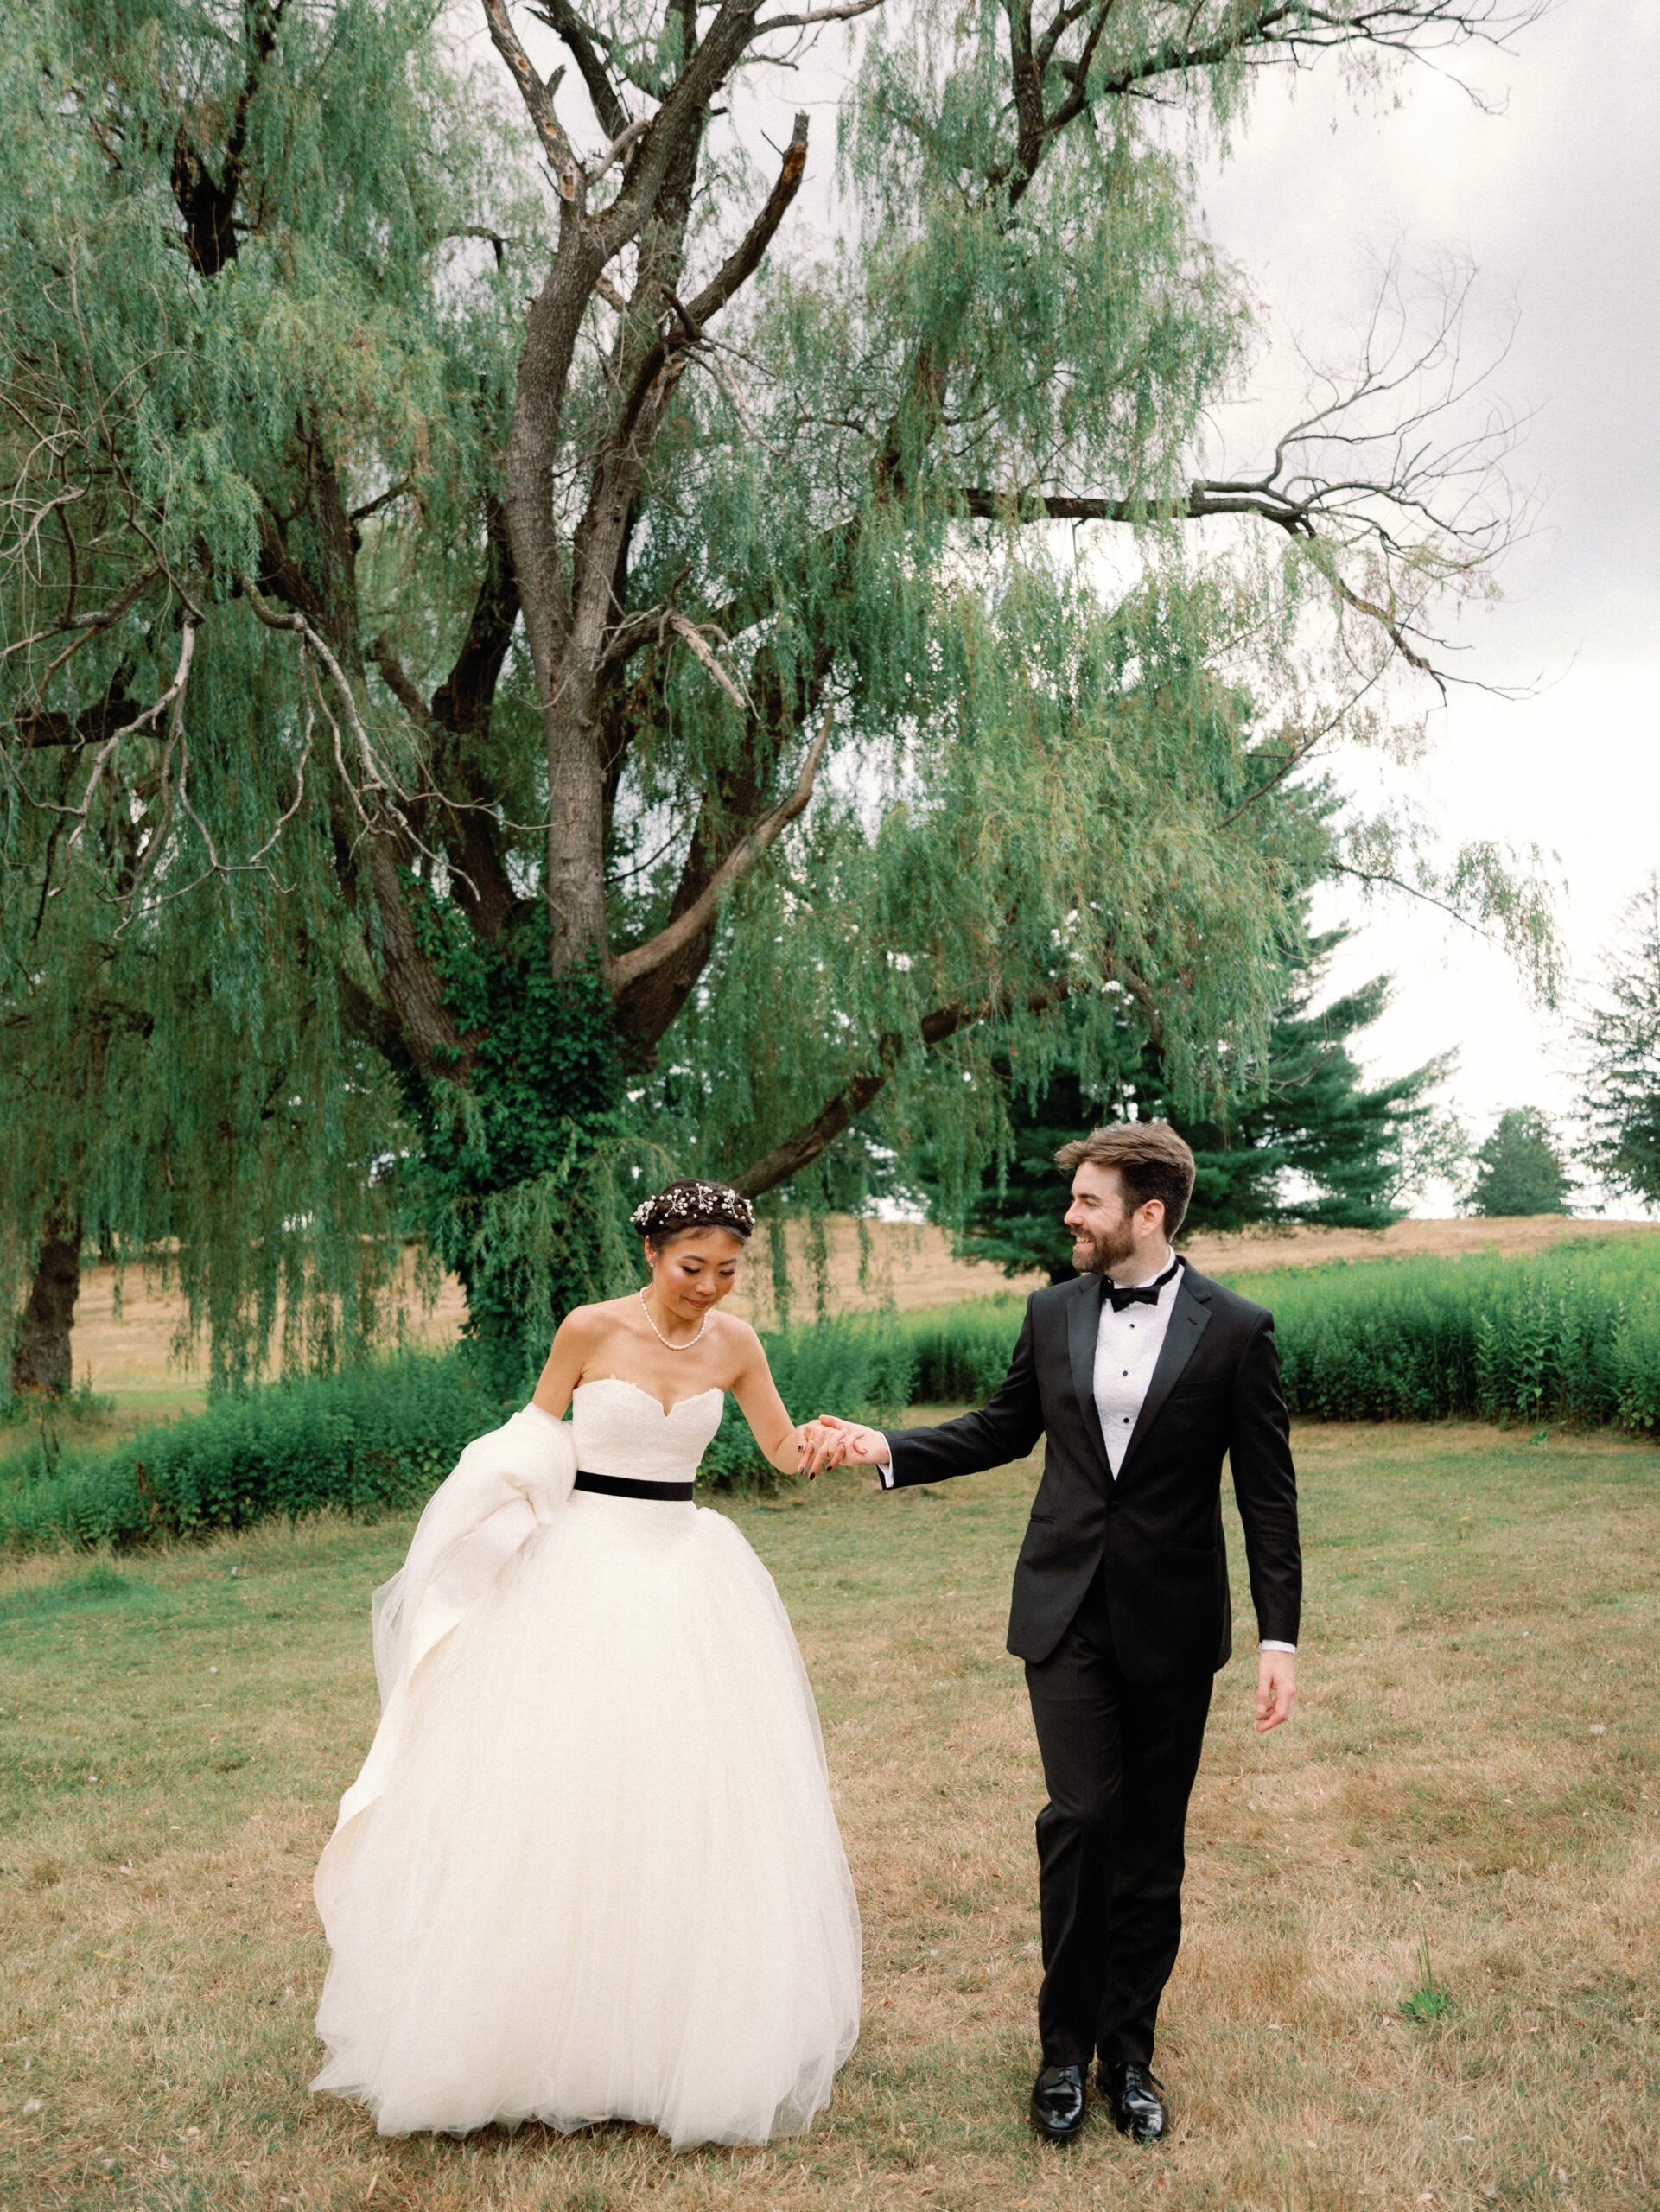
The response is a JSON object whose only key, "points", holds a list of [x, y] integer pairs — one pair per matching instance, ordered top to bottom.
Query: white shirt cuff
{"points": [[885, 1469], [1268, 1644]]}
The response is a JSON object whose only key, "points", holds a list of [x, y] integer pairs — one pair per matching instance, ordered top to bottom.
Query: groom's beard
{"points": [[1108, 1248]]}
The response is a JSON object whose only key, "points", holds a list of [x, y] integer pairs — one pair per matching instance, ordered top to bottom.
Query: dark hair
{"points": [[1152, 1160], [692, 1205]]}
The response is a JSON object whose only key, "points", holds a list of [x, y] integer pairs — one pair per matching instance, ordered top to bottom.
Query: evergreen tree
{"points": [[460, 683], [1622, 1039], [1306, 1142], [1519, 1170]]}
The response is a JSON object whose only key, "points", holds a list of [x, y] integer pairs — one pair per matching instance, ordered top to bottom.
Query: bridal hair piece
{"points": [[692, 1205]]}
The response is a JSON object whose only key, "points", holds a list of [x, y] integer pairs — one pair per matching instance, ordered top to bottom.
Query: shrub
{"points": [[1573, 1336], [962, 1351], [376, 1436], [383, 1436]]}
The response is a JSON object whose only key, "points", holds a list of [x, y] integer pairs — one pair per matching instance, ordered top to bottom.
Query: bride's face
{"points": [[695, 1270]]}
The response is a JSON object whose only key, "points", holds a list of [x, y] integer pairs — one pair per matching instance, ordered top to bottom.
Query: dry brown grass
{"points": [[1479, 1607]]}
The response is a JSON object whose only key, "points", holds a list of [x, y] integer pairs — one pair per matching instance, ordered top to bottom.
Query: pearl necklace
{"points": [[667, 1342]]}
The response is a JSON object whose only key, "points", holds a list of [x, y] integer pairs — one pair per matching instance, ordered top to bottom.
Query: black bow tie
{"points": [[1140, 1293]]}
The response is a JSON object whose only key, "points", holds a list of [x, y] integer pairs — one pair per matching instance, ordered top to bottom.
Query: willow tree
{"points": [[631, 673]]}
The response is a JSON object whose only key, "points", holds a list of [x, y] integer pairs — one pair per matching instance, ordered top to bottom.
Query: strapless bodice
{"points": [[622, 1430]]}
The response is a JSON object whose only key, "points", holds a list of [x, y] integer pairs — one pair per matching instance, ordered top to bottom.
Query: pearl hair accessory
{"points": [[693, 1204]]}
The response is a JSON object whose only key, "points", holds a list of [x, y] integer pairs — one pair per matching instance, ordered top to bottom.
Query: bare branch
{"points": [[817, 16], [563, 20], [538, 101], [618, 146], [742, 263], [694, 637], [739, 863], [803, 1145]]}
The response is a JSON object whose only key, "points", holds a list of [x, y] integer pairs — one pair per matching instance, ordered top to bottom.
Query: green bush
{"points": [[1571, 1335], [962, 1351], [376, 1436], [379, 1437]]}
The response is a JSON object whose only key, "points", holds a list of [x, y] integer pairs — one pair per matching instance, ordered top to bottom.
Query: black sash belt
{"points": [[618, 1486]]}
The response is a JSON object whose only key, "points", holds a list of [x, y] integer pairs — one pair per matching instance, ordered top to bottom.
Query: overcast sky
{"points": [[1555, 199]]}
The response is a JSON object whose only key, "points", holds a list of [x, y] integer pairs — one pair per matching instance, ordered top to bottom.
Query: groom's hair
{"points": [[1152, 1160]]}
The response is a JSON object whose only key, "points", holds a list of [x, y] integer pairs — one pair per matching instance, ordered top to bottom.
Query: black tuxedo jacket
{"points": [[1156, 1530]]}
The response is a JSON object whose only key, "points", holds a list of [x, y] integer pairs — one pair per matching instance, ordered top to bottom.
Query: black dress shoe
{"points": [[1137, 2101], [1057, 2103]]}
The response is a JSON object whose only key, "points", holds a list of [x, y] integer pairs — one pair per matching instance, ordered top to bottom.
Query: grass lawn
{"points": [[1472, 1777]]}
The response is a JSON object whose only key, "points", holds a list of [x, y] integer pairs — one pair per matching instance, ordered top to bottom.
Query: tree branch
{"points": [[566, 25], [538, 102], [742, 263], [739, 863], [800, 1149]]}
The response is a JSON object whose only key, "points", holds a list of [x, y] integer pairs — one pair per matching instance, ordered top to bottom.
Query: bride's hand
{"points": [[849, 1443], [818, 1444], [815, 1445]]}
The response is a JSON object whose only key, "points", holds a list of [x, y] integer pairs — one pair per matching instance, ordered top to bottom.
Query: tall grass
{"points": [[1571, 1335], [377, 1437]]}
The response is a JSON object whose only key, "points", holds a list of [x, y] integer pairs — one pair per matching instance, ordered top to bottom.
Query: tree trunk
{"points": [[41, 1351]]}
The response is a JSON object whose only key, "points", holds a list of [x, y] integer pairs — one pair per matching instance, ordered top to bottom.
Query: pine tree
{"points": [[530, 742], [1622, 1040], [1304, 1142], [1520, 1169]]}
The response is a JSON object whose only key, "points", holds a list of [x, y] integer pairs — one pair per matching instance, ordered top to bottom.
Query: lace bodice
{"points": [[622, 1430]]}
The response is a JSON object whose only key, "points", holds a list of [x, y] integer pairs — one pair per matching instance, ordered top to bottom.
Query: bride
{"points": [[590, 1869]]}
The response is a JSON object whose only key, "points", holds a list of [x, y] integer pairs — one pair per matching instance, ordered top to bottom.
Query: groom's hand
{"points": [[833, 1442], [1276, 1686]]}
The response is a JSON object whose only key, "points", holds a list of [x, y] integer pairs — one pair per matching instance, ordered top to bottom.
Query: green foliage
{"points": [[285, 782], [1622, 1042], [186, 1068], [1300, 1139], [1520, 1170], [515, 1182], [1573, 1336], [961, 1353], [381, 1437], [367, 1440], [1431, 2000]]}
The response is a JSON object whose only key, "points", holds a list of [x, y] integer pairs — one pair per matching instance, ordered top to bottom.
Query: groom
{"points": [[1142, 1376]]}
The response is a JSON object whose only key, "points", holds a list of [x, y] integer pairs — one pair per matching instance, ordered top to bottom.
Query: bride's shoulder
{"points": [[585, 1324], [738, 1339]]}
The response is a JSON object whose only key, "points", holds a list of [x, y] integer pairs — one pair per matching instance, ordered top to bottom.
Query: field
{"points": [[125, 1353], [1467, 1800]]}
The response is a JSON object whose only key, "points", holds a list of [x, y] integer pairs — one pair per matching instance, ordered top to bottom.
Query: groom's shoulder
{"points": [[1228, 1304], [1043, 1305]]}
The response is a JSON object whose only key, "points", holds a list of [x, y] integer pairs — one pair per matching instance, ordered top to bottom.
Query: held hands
{"points": [[831, 1442], [1276, 1686]]}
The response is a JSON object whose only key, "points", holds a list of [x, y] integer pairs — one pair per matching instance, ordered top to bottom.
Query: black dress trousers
{"points": [[1119, 1762]]}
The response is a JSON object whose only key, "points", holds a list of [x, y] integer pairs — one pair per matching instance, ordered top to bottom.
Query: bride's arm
{"points": [[574, 1338], [762, 1408]]}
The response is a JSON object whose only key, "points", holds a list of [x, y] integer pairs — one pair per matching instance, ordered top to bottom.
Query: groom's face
{"points": [[1103, 1233]]}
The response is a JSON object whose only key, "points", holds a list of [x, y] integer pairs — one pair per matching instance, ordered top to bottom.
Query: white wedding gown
{"points": [[590, 1869]]}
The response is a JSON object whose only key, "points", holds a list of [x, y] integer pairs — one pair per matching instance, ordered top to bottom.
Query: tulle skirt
{"points": [[604, 1879]]}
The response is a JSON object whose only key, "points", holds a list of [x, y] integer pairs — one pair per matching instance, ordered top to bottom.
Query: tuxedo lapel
{"points": [[1189, 1318], [1083, 1328]]}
